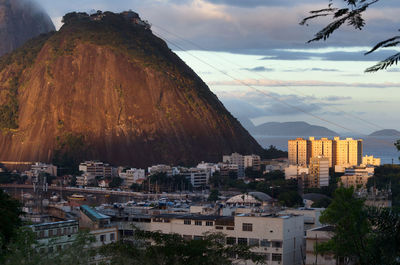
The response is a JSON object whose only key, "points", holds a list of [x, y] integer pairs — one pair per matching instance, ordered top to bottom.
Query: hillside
{"points": [[21, 20], [104, 87], [291, 129], [386, 132]]}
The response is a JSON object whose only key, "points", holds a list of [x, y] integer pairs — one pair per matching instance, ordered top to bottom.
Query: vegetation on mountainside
{"points": [[12, 65]]}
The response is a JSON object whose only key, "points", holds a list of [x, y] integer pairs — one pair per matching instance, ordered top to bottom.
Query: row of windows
{"points": [[197, 222], [57, 232], [103, 237], [254, 242], [275, 256]]}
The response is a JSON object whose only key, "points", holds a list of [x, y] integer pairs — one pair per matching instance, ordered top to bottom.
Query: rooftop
{"points": [[93, 214]]}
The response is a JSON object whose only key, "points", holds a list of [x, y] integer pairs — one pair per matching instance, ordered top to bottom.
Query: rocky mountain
{"points": [[21, 20], [104, 87], [291, 129], [386, 132]]}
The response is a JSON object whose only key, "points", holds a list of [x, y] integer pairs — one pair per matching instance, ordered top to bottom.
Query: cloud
{"points": [[259, 69], [315, 69], [310, 83], [337, 98]]}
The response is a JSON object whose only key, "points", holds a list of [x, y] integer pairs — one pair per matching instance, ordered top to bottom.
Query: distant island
{"points": [[298, 128], [386, 132]]}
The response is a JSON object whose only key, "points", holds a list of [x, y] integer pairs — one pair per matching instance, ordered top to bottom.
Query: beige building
{"points": [[322, 147], [298, 152], [347, 152], [236, 159], [371, 160], [253, 161], [319, 172], [356, 177], [279, 238], [313, 238]]}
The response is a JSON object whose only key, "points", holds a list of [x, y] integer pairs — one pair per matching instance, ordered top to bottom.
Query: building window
{"points": [[187, 222], [198, 223], [209, 223], [219, 227], [247, 227], [230, 228], [64, 231], [50, 232], [59, 232], [41, 234], [112, 237], [187, 237], [102, 238], [197, 238], [231, 240], [242, 241], [254, 242], [265, 243], [276, 244], [59, 248], [50, 249], [276, 257]]}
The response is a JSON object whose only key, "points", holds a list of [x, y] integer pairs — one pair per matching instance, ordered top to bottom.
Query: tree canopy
{"points": [[350, 12]]}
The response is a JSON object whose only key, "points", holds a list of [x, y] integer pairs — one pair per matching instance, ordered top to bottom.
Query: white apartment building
{"points": [[236, 159], [253, 161], [210, 167], [45, 168], [96, 169], [161, 169], [295, 171], [319, 172], [131, 176], [198, 177], [311, 216], [279, 238]]}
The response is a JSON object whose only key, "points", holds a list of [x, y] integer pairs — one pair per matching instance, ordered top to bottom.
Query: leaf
{"points": [[382, 44], [384, 64]]}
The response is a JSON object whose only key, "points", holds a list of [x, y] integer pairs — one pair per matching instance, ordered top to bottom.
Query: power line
{"points": [[290, 88], [263, 92]]}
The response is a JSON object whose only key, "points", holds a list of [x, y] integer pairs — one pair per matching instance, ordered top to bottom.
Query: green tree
{"points": [[350, 13], [116, 182], [214, 196], [290, 198], [10, 210], [172, 249]]}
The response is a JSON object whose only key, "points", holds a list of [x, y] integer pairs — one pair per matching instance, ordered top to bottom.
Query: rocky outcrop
{"points": [[21, 20], [108, 89]]}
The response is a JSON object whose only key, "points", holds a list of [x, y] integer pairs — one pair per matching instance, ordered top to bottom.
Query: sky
{"points": [[253, 55]]}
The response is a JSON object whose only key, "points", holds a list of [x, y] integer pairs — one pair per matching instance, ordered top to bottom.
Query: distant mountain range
{"points": [[298, 128], [386, 132]]}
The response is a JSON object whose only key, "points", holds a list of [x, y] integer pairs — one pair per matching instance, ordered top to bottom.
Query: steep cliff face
{"points": [[21, 20], [110, 90]]}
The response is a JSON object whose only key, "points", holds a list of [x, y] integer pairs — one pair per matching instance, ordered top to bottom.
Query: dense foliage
{"points": [[350, 13], [272, 152], [387, 176], [9, 219], [364, 235]]}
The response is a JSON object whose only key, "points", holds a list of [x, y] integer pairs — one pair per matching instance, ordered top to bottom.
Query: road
{"points": [[131, 194]]}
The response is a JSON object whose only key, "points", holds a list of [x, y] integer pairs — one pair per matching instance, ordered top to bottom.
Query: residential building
{"points": [[322, 147], [298, 152], [347, 152], [236, 159], [252, 161], [371, 161], [210, 167], [45, 168], [96, 169], [156, 169], [228, 170], [294, 171], [319, 172], [131, 176], [196, 176], [356, 177], [85, 180], [311, 216], [55, 236], [314, 237], [279, 238]]}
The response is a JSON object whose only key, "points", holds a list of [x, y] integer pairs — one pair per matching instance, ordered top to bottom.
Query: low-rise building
{"points": [[235, 159], [371, 161], [253, 162], [96, 169], [156, 169], [295, 171], [131, 176], [196, 176], [356, 177], [55, 236], [279, 238], [313, 238]]}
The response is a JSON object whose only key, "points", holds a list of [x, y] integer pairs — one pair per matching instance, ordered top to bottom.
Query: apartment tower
{"points": [[298, 152]]}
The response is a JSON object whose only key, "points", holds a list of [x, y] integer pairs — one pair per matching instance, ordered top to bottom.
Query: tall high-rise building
{"points": [[322, 147], [298, 152], [347, 152], [319, 172]]}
